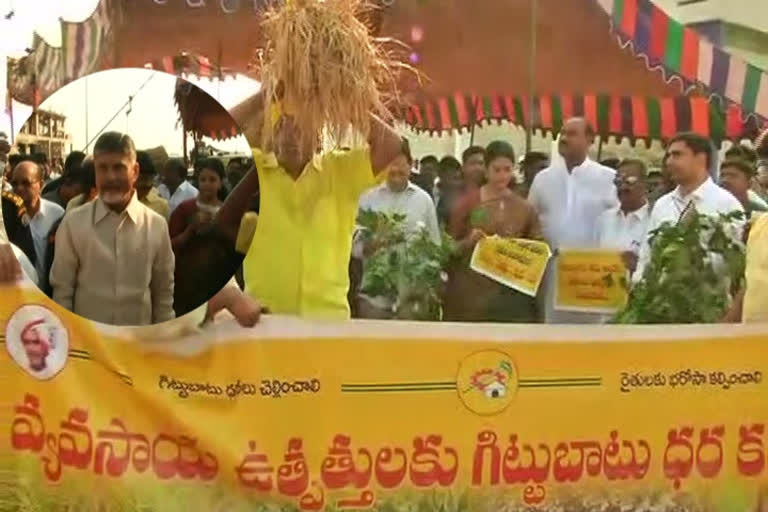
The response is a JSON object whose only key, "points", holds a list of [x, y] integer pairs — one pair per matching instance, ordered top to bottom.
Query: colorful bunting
{"points": [[86, 43], [683, 53], [188, 64], [37, 75], [634, 117]]}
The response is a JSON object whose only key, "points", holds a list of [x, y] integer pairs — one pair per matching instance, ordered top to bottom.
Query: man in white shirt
{"points": [[689, 158], [27, 182], [175, 188], [398, 196], [569, 196], [624, 228]]}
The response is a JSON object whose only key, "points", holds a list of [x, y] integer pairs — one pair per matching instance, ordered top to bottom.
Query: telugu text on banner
{"points": [[516, 263], [591, 281], [377, 416]]}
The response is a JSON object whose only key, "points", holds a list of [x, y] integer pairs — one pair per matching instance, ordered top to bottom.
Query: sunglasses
{"points": [[628, 181]]}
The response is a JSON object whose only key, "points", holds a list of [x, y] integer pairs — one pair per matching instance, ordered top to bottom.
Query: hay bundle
{"points": [[322, 66]]}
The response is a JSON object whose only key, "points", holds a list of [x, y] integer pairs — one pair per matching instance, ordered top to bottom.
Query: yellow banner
{"points": [[516, 263], [591, 281], [382, 416]]}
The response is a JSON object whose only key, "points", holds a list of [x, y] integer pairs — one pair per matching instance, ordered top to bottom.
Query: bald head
{"points": [[576, 136], [27, 181]]}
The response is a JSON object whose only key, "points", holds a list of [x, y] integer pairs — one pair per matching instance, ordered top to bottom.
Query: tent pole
{"points": [[531, 76], [10, 116], [87, 135], [184, 135], [600, 149]]}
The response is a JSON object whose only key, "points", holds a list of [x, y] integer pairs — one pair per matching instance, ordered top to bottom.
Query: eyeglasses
{"points": [[629, 181], [23, 183]]}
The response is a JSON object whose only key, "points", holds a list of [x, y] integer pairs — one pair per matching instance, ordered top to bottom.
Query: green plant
{"points": [[405, 267], [693, 268]]}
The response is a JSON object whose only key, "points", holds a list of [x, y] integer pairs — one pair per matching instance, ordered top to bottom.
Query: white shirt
{"points": [[183, 192], [709, 199], [413, 202], [569, 204], [40, 224], [623, 231]]}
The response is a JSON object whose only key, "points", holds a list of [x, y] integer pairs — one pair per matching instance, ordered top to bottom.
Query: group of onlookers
{"points": [[571, 202], [105, 235], [142, 240]]}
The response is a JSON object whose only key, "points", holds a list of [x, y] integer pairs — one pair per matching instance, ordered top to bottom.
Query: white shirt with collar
{"points": [[183, 192], [709, 199], [412, 202], [570, 203], [40, 224], [623, 231], [114, 268]]}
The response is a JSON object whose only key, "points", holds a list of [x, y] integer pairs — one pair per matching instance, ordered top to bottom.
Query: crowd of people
{"points": [[572, 202], [103, 238], [117, 241]]}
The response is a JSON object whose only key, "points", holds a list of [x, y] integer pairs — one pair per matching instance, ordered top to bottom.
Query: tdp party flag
{"points": [[381, 416]]}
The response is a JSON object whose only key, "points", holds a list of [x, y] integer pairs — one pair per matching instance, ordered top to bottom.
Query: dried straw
{"points": [[323, 66]]}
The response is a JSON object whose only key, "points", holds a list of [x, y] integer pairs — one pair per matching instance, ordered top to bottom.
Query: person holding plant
{"points": [[689, 158], [397, 196], [492, 209]]}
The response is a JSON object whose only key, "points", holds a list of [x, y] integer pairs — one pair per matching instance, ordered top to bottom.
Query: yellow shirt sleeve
{"points": [[352, 170], [246, 231], [755, 299]]}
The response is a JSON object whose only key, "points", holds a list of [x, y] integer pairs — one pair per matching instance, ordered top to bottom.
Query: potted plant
{"points": [[695, 266], [403, 267]]}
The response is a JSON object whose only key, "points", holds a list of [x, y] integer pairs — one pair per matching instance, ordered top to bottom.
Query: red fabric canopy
{"points": [[476, 49], [201, 114]]}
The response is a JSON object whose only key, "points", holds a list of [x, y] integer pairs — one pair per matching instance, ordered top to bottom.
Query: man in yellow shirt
{"points": [[145, 186], [298, 259]]}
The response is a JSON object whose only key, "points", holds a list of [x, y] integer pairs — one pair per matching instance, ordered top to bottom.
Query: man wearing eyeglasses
{"points": [[27, 182], [624, 228]]}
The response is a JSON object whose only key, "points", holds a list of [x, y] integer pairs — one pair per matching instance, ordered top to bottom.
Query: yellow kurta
{"points": [[298, 262], [756, 296]]}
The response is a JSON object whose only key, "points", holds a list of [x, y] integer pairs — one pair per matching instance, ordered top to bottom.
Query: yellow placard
{"points": [[516, 263], [591, 281], [382, 416]]}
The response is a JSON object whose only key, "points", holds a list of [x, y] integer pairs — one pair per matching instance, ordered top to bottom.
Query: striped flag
{"points": [[86, 43], [36, 76]]}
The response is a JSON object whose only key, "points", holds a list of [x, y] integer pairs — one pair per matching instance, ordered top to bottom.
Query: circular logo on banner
{"points": [[37, 341], [487, 382]]}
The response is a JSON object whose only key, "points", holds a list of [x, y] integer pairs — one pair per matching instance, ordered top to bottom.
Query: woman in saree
{"points": [[492, 209]]}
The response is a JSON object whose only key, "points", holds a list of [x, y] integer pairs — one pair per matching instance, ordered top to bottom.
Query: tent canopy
{"points": [[474, 56], [201, 114]]}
